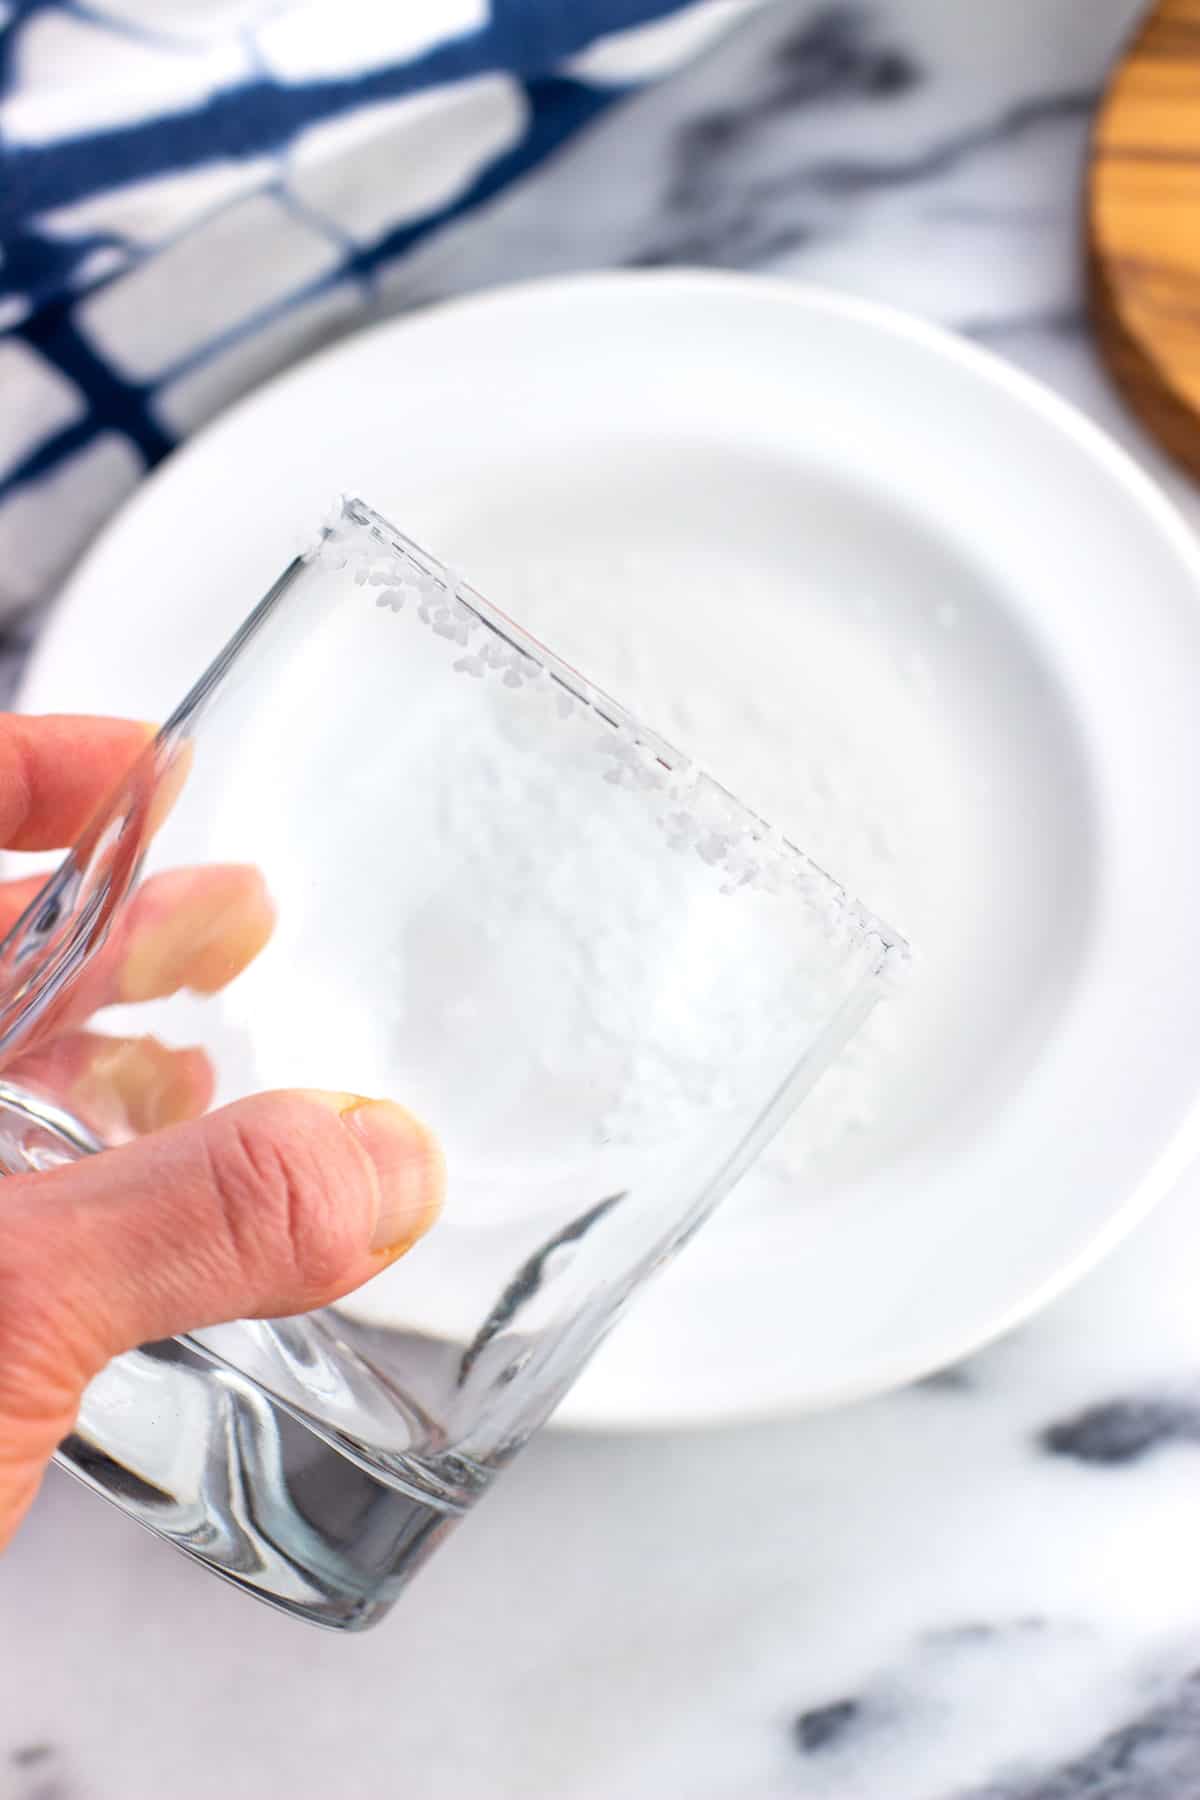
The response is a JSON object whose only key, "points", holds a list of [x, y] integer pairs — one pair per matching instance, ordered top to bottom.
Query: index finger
{"points": [[56, 770]]}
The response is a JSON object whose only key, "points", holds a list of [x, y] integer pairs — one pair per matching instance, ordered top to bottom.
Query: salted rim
{"points": [[773, 859]]}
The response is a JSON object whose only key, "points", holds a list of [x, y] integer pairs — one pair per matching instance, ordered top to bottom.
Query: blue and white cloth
{"points": [[195, 192]]}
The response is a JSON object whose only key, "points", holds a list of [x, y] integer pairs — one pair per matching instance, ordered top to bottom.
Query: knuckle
{"points": [[279, 1183], [22, 1310], [47, 1352]]}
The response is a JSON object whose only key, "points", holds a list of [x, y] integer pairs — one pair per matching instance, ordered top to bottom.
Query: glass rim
{"points": [[371, 528], [386, 557]]}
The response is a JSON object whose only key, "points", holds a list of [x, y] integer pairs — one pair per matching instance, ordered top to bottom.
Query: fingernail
{"points": [[208, 938], [137, 1085], [182, 1090], [408, 1163]]}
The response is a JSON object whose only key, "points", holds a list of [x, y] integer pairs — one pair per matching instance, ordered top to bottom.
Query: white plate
{"points": [[970, 626]]}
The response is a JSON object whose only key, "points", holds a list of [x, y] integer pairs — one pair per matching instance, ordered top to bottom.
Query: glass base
{"points": [[204, 1457]]}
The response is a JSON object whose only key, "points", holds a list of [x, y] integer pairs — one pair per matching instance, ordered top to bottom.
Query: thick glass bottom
{"points": [[203, 1456]]}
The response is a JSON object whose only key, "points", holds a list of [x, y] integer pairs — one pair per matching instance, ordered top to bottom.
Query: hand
{"points": [[274, 1205]]}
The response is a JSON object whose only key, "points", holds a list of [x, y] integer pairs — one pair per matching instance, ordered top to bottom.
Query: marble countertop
{"points": [[984, 1588]]}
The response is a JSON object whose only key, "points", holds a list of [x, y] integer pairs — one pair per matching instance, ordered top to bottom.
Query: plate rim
{"points": [[883, 315]]}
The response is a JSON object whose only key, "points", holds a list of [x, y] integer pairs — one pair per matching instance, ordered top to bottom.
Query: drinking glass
{"points": [[476, 885]]}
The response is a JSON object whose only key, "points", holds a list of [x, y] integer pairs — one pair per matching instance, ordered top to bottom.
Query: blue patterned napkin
{"points": [[195, 192]]}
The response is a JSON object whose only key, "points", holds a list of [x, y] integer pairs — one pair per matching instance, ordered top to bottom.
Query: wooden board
{"points": [[1144, 227]]}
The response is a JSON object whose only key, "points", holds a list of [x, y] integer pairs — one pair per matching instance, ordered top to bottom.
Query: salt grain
{"points": [[699, 819]]}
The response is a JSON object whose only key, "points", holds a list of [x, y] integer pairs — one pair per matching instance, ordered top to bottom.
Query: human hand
{"points": [[271, 1206]]}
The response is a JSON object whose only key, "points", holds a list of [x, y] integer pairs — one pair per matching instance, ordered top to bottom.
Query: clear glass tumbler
{"points": [[494, 897]]}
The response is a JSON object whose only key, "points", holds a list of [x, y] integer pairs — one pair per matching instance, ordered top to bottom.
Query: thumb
{"points": [[271, 1206]]}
